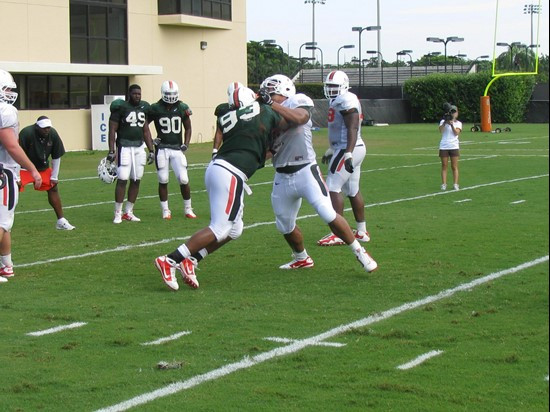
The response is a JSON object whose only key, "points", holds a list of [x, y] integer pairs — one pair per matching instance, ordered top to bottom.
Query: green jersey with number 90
{"points": [[131, 120], [169, 120], [247, 134]]}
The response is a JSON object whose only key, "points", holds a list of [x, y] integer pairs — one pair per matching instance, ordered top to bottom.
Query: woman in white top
{"points": [[449, 146]]}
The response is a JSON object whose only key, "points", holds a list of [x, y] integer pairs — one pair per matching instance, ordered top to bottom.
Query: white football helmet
{"points": [[336, 83], [279, 84], [233, 86], [170, 92], [7, 95], [241, 97], [106, 171]]}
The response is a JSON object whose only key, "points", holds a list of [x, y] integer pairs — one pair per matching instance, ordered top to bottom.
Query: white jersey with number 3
{"points": [[8, 119], [337, 130], [295, 146]]}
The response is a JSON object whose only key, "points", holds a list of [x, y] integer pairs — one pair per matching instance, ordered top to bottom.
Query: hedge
{"points": [[509, 96]]}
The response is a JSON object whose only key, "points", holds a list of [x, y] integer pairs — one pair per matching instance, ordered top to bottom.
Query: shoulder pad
{"points": [[299, 100], [116, 105], [8, 116]]}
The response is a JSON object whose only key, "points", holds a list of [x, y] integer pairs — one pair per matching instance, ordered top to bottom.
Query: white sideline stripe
{"points": [[463, 200], [517, 201], [110, 202], [162, 241], [57, 329], [167, 339], [286, 340], [298, 345], [417, 361]]}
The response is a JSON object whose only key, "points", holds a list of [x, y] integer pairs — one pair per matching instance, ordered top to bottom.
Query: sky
{"points": [[405, 26]]}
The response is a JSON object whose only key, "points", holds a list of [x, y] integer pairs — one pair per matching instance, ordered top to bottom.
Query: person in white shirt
{"points": [[450, 128]]}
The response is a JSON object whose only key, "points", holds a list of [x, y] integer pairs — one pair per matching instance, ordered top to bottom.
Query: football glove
{"points": [[265, 97], [156, 141], [183, 148], [214, 153], [327, 156], [111, 157], [150, 158], [348, 162]]}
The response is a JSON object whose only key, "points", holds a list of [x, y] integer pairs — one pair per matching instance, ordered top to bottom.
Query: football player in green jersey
{"points": [[220, 110], [169, 115], [129, 129], [247, 136]]}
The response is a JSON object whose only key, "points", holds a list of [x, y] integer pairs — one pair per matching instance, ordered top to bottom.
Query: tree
{"points": [[266, 60]]}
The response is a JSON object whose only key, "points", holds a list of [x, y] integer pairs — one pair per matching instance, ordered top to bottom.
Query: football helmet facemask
{"points": [[336, 83], [279, 84], [169, 91], [7, 95], [241, 97], [106, 171]]}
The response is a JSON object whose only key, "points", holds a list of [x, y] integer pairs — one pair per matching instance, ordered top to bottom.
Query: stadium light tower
{"points": [[313, 3], [531, 9], [361, 30], [445, 41], [347, 46]]}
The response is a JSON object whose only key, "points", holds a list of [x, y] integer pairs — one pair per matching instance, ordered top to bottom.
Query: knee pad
{"points": [[163, 176], [183, 177], [325, 211], [236, 230]]}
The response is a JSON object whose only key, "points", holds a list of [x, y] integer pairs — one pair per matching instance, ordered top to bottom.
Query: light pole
{"points": [[313, 3], [531, 9], [360, 30], [445, 41], [273, 43], [307, 44], [347, 46], [317, 48], [407, 53], [432, 54], [456, 56], [485, 56], [380, 64]]}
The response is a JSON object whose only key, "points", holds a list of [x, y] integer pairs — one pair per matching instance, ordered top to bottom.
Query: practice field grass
{"points": [[462, 276]]}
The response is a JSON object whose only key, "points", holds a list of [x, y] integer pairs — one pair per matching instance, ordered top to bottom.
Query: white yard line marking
{"points": [[463, 200], [110, 202], [517, 202], [174, 239], [57, 329], [167, 339], [286, 340], [298, 345], [417, 361]]}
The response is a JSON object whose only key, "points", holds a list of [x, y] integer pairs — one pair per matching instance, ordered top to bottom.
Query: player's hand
{"points": [[265, 97], [183, 148], [327, 156], [111, 157], [150, 158], [348, 162], [37, 180], [54, 182]]}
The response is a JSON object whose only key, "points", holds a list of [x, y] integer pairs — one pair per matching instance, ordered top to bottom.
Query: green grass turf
{"points": [[494, 337]]}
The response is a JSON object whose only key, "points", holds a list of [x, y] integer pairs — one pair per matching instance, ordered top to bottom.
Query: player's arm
{"points": [[297, 116], [351, 120], [113, 128], [187, 130], [147, 137], [9, 140]]}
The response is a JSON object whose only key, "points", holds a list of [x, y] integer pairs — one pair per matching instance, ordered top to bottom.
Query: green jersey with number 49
{"points": [[131, 120], [169, 121], [247, 134]]}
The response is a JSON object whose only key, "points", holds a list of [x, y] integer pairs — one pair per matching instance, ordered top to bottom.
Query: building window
{"points": [[214, 9], [99, 31], [66, 92]]}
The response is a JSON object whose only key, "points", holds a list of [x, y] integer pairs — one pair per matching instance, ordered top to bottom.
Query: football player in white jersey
{"points": [[348, 151], [12, 157], [298, 176]]}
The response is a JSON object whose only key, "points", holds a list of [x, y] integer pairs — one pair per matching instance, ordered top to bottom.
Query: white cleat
{"points": [[456, 187], [167, 214], [189, 214], [130, 217], [118, 218], [63, 224], [361, 236], [331, 240], [368, 263], [298, 264], [167, 269], [187, 269]]}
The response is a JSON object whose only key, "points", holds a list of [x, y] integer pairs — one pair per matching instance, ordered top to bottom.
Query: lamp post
{"points": [[313, 3], [531, 9], [360, 30], [445, 41], [273, 43], [307, 44], [347, 46], [317, 48], [510, 50], [407, 53], [432, 54], [456, 56], [485, 56], [380, 64]]}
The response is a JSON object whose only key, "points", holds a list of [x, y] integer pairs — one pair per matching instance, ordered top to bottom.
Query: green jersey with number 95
{"points": [[131, 120], [169, 121], [247, 134]]}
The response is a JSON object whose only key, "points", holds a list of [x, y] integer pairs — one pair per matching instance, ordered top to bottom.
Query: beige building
{"points": [[66, 55]]}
